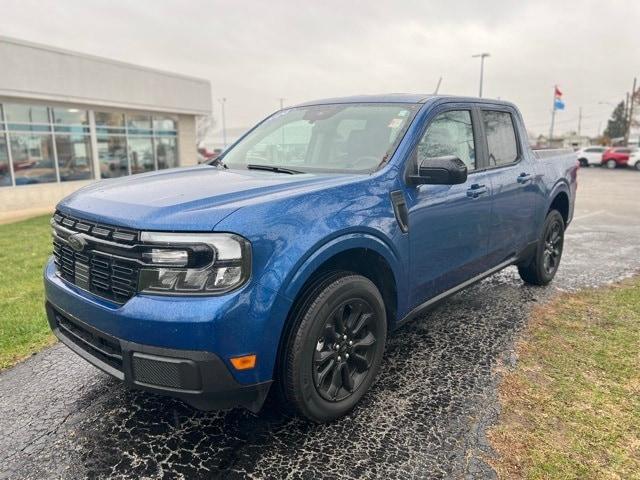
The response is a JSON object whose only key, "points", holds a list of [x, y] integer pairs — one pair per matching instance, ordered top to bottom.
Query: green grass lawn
{"points": [[24, 249], [571, 408]]}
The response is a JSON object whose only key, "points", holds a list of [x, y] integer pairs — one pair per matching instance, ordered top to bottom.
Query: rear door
{"points": [[514, 181], [449, 224]]}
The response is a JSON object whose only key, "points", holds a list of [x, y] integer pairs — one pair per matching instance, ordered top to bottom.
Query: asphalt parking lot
{"points": [[425, 417]]}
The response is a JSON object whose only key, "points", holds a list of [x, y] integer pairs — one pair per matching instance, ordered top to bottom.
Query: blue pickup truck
{"points": [[283, 265]]}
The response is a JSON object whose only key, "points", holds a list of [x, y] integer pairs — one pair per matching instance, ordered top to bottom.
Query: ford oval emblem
{"points": [[77, 242]]}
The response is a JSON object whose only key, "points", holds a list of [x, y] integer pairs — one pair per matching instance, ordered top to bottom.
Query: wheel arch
{"points": [[560, 201], [363, 254]]}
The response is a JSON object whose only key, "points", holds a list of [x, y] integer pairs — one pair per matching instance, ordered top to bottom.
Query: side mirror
{"points": [[448, 170]]}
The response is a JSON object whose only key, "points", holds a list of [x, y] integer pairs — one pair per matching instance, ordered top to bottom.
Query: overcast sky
{"points": [[255, 52]]}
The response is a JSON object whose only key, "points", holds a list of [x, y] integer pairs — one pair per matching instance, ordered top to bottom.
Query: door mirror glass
{"points": [[447, 170]]}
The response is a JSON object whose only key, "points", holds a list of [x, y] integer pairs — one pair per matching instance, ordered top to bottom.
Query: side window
{"points": [[450, 133], [501, 137]]}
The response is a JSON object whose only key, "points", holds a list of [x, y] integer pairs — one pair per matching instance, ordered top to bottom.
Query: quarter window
{"points": [[450, 133], [501, 138]]}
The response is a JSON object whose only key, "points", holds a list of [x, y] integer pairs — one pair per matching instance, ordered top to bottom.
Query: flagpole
{"points": [[553, 116]]}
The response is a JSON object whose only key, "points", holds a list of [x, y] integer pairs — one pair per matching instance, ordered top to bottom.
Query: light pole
{"points": [[482, 56], [281, 102], [224, 125]]}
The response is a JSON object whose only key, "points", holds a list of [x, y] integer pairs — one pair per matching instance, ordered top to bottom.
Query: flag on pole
{"points": [[558, 103]]}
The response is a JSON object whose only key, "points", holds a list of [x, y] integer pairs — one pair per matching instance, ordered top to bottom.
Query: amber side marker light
{"points": [[244, 363]]}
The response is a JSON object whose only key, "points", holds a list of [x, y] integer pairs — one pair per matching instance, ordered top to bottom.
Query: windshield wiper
{"points": [[271, 168]]}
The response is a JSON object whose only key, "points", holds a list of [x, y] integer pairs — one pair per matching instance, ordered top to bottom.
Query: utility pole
{"points": [[482, 56], [553, 115], [630, 117], [579, 121], [224, 124]]}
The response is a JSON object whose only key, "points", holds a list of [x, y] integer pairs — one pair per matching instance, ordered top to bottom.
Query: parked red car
{"points": [[616, 157]]}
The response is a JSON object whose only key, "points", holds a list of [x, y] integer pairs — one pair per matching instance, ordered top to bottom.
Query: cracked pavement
{"points": [[424, 417]]}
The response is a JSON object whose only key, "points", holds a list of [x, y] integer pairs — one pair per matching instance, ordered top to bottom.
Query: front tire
{"points": [[584, 163], [611, 164], [637, 165], [541, 269], [336, 346]]}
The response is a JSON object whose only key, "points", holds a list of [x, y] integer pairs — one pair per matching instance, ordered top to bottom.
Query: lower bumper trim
{"points": [[200, 379]]}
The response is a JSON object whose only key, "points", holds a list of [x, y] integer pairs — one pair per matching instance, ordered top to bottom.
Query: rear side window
{"points": [[501, 137], [594, 150]]}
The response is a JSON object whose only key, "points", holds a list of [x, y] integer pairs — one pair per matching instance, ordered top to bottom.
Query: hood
{"points": [[187, 199]]}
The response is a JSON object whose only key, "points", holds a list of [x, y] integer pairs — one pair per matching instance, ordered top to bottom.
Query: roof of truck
{"points": [[398, 98]]}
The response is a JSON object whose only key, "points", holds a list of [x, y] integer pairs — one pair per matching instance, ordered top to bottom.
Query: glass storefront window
{"points": [[19, 113], [70, 116], [107, 119], [139, 124], [163, 124], [126, 143], [166, 153], [112, 154], [141, 155], [74, 157], [32, 158], [5, 169]]}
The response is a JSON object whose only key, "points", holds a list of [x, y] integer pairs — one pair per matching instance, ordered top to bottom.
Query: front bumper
{"points": [[199, 378]]}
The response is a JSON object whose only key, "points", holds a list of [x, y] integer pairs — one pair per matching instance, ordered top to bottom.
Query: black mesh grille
{"points": [[98, 269], [99, 346], [155, 372]]}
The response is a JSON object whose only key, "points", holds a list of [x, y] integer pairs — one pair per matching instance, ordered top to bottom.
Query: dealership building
{"points": [[68, 119]]}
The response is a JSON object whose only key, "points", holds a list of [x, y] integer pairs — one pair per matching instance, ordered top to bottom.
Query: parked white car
{"points": [[590, 156], [634, 160]]}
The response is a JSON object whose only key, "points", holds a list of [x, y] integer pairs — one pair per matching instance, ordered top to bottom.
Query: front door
{"points": [[448, 224]]}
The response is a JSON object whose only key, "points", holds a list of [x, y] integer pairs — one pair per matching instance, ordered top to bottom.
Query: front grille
{"points": [[107, 266], [100, 346]]}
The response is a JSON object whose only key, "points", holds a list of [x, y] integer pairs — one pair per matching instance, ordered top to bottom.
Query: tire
{"points": [[584, 163], [611, 164], [637, 165], [542, 267], [335, 347]]}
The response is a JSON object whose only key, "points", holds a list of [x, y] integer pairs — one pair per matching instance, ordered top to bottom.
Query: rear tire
{"points": [[611, 164], [637, 165], [544, 264], [335, 347]]}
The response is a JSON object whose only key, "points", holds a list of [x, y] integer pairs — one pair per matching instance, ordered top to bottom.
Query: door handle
{"points": [[524, 177], [476, 190]]}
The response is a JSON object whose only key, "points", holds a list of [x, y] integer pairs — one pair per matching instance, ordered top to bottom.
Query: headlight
{"points": [[194, 263]]}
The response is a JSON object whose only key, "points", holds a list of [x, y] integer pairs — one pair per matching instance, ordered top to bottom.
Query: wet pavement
{"points": [[425, 417]]}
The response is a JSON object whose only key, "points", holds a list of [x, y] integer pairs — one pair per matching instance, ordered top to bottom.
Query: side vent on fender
{"points": [[400, 210]]}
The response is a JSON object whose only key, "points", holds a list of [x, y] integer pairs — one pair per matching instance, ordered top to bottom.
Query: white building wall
{"points": [[36, 71]]}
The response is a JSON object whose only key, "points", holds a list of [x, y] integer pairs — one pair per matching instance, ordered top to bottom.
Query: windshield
{"points": [[324, 138]]}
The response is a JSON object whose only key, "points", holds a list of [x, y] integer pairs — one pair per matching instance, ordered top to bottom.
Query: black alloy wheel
{"points": [[553, 243], [542, 266], [335, 346], [345, 350]]}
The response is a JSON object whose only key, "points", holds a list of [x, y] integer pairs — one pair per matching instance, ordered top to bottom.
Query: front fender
{"points": [[307, 266]]}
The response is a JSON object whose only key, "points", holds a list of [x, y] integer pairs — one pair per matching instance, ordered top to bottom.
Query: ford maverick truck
{"points": [[283, 265]]}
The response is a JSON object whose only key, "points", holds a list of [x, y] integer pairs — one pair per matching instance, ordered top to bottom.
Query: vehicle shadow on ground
{"points": [[424, 416]]}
